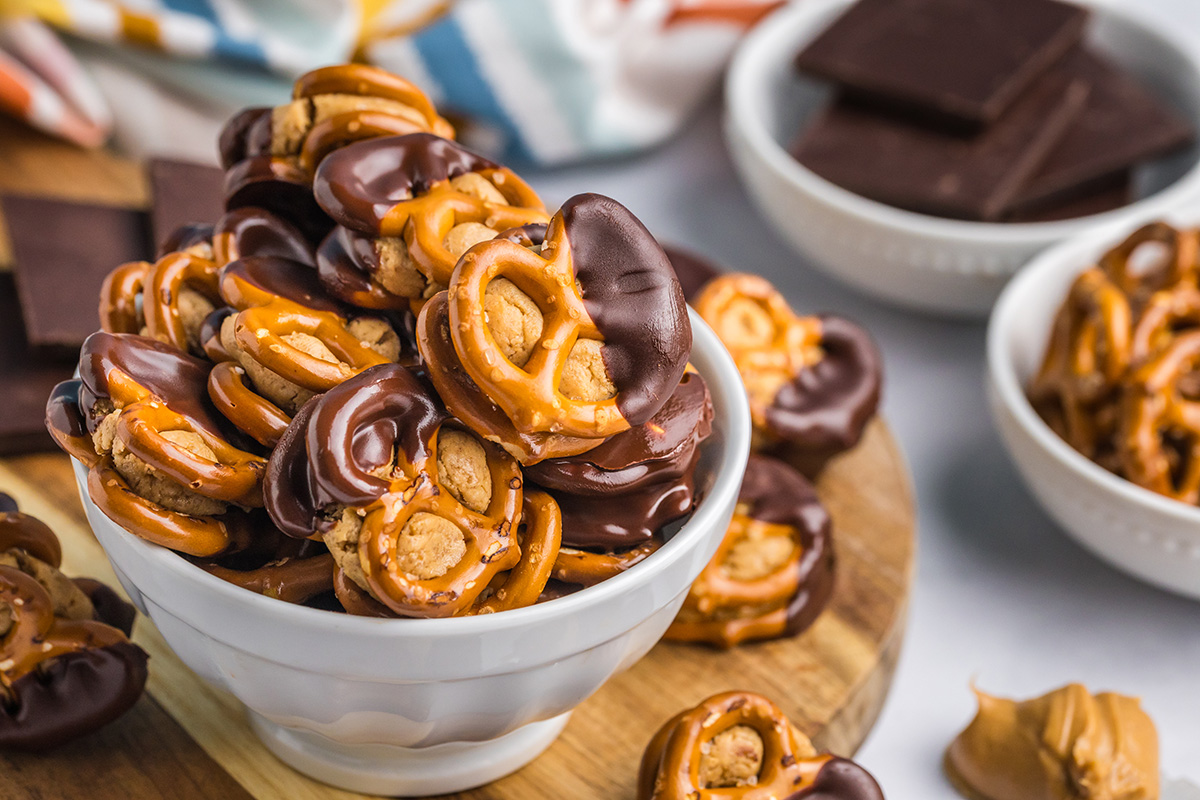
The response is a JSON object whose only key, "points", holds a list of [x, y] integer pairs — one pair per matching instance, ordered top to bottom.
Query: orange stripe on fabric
{"points": [[140, 29]]}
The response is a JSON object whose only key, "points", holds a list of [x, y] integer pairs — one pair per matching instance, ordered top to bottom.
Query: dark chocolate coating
{"points": [[247, 133], [358, 184], [280, 187], [259, 232], [525, 235], [185, 236], [345, 261], [692, 270], [284, 277], [631, 293], [210, 328], [180, 380], [825, 409], [65, 421], [651, 453], [327, 454], [777, 493], [7, 504], [617, 523], [110, 608], [72, 695], [841, 779]]}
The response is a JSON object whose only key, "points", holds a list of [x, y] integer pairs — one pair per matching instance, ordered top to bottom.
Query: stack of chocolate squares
{"points": [[989, 110], [61, 252]]}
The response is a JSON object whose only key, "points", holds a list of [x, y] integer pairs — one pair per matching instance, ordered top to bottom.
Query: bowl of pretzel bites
{"points": [[1094, 365], [407, 462]]}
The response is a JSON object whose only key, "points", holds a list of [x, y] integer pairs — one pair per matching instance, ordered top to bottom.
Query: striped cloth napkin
{"points": [[551, 81]]}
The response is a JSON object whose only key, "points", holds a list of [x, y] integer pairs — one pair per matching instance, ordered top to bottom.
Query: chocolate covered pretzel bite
{"points": [[407, 207], [587, 337], [813, 382], [162, 465], [772, 574], [66, 664], [741, 746]]}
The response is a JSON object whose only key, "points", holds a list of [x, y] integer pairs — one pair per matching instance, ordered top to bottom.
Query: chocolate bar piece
{"points": [[961, 61], [1122, 124], [915, 167], [183, 192], [1113, 192], [62, 251], [28, 378]]}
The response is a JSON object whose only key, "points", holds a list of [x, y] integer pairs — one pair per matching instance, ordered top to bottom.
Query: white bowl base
{"points": [[407, 771]]}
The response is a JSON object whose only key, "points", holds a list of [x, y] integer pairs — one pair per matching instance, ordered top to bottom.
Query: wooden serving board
{"points": [[186, 740]]}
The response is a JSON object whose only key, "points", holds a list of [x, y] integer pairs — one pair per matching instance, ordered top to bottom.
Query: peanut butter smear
{"points": [[1066, 745]]}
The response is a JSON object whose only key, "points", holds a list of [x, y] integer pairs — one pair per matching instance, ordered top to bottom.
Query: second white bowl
{"points": [[915, 260], [1151, 537]]}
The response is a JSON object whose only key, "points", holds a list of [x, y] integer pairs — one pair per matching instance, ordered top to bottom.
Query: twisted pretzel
{"points": [[361, 79], [342, 129], [596, 248], [1179, 266], [172, 276], [261, 280], [119, 295], [1164, 314], [262, 333], [769, 343], [1088, 353], [467, 401], [1154, 410], [249, 411], [67, 425], [22, 532], [184, 533], [540, 538], [490, 539], [587, 568], [355, 599], [725, 608], [36, 634], [59, 678], [682, 760]]}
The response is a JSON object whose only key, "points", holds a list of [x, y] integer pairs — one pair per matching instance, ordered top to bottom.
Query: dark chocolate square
{"points": [[964, 61], [1123, 123], [919, 168], [183, 192], [1105, 194], [61, 253], [27, 378]]}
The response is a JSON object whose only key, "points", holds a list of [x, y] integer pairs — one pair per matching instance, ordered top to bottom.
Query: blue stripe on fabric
{"points": [[197, 8], [245, 51], [446, 53], [569, 81]]}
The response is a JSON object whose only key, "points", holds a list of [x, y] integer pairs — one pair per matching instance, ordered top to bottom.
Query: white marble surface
{"points": [[1002, 597]]}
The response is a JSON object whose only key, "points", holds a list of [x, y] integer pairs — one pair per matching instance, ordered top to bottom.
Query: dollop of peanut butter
{"points": [[1066, 745]]}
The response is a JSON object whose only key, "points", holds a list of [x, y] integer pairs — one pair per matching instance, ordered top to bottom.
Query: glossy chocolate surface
{"points": [[247, 133], [358, 184], [280, 187], [259, 232], [346, 260], [283, 277], [630, 291], [179, 380], [825, 409], [338, 439], [656, 451], [777, 493], [7, 504], [22, 532], [110, 608], [72, 695], [841, 779]]}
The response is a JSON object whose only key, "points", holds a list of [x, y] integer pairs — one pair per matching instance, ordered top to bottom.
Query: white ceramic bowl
{"points": [[914, 260], [1139, 532], [428, 706]]}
